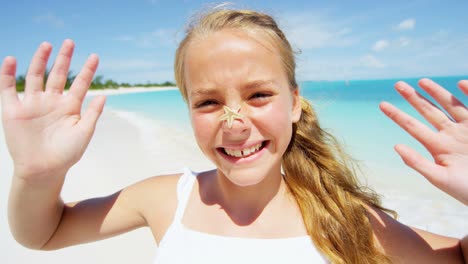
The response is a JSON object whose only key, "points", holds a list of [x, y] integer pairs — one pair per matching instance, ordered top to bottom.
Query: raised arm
{"points": [[46, 134], [448, 145]]}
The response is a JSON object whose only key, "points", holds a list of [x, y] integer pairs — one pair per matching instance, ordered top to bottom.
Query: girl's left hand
{"points": [[448, 145]]}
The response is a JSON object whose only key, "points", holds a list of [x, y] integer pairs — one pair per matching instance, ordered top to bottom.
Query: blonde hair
{"points": [[251, 22], [319, 175]]}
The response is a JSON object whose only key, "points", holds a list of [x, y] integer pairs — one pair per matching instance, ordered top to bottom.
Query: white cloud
{"points": [[50, 19], [406, 24], [313, 31], [165, 36], [158, 37], [403, 42], [384, 44], [380, 45], [437, 45], [438, 52], [370, 61], [122, 65], [339, 68], [324, 70]]}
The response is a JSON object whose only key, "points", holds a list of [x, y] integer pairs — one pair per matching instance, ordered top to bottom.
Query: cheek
{"points": [[276, 117], [282, 118], [276, 124], [203, 128]]}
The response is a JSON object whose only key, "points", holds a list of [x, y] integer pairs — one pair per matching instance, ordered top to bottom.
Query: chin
{"points": [[244, 177]]}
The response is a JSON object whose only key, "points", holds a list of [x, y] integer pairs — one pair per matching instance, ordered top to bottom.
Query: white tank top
{"points": [[183, 245]]}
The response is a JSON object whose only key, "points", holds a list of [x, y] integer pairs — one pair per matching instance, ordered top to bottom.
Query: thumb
{"points": [[8, 82], [92, 113], [434, 173]]}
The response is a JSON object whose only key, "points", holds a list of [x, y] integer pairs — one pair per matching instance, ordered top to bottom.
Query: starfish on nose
{"points": [[230, 115]]}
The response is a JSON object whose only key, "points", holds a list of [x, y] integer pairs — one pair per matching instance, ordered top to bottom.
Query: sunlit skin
{"points": [[237, 70], [246, 196]]}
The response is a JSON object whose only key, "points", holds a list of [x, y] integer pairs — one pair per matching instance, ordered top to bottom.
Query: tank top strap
{"points": [[184, 189]]}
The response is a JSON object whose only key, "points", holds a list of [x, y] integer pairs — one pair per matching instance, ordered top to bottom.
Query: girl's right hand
{"points": [[45, 132]]}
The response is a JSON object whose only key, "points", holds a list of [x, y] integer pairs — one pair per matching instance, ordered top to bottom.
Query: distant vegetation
{"points": [[98, 83]]}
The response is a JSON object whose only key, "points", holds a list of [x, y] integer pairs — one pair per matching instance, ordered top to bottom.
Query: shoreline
{"points": [[119, 90], [127, 90]]}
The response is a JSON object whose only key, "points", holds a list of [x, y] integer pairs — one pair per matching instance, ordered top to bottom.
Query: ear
{"points": [[297, 105]]}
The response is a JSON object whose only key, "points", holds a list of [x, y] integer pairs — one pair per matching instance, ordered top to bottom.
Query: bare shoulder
{"points": [[154, 188], [156, 198], [406, 244]]}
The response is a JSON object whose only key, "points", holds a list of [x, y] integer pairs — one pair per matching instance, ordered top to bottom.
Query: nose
{"points": [[233, 121], [238, 126]]}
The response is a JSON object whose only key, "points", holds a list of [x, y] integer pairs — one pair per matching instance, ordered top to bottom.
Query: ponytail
{"points": [[322, 179]]}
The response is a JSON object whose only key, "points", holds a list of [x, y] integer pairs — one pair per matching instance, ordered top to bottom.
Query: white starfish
{"points": [[230, 115]]}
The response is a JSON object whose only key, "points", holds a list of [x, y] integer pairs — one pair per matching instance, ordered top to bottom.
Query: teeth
{"points": [[244, 152]]}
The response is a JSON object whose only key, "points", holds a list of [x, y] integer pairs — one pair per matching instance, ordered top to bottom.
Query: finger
{"points": [[36, 71], [59, 73], [83, 80], [8, 82], [463, 85], [450, 103], [428, 110], [92, 113], [416, 129], [430, 170]]}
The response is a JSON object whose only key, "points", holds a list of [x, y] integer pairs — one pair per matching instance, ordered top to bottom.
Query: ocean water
{"points": [[349, 110]]}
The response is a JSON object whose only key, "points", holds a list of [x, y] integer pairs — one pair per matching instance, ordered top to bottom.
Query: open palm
{"points": [[45, 132], [448, 145]]}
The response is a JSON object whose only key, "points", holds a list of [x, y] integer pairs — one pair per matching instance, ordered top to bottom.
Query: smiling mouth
{"points": [[243, 153]]}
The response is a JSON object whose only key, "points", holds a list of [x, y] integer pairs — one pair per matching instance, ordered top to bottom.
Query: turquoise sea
{"points": [[336, 101], [349, 110]]}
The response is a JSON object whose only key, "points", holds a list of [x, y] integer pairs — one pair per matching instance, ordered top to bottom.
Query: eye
{"points": [[260, 96], [206, 103]]}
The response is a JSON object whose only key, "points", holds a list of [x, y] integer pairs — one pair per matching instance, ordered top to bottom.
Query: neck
{"points": [[244, 204]]}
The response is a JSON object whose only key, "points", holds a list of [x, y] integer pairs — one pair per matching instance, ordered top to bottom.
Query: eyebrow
{"points": [[261, 83], [207, 91], [203, 92]]}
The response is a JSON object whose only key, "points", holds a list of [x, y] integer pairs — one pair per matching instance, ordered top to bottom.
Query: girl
{"points": [[282, 189]]}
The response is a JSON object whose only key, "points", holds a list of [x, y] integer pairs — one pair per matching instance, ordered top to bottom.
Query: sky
{"points": [[337, 40]]}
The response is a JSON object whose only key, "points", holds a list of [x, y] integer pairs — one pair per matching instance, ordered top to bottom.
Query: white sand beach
{"points": [[124, 90], [127, 148]]}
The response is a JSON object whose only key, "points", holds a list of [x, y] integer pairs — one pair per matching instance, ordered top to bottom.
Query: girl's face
{"points": [[229, 68]]}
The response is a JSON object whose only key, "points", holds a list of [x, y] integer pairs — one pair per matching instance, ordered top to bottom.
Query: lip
{"points": [[248, 159]]}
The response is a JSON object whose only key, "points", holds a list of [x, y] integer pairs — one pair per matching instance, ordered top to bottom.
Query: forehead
{"points": [[231, 58]]}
